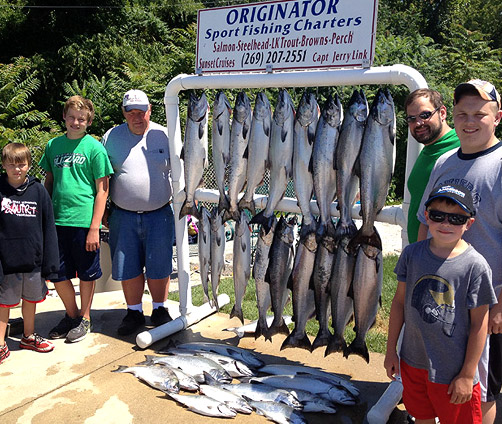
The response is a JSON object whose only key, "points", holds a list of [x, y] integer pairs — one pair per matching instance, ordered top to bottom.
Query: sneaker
{"points": [[160, 316], [131, 322], [61, 330], [80, 331], [36, 342], [4, 352]]}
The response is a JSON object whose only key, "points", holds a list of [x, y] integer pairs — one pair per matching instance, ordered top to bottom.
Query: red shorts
{"points": [[426, 400]]}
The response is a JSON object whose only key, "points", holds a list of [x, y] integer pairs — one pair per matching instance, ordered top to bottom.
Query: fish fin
{"points": [[219, 127], [266, 127], [202, 129], [245, 129], [284, 134], [310, 134], [182, 153], [245, 155], [223, 203], [244, 204], [187, 209], [265, 222], [345, 230], [359, 239], [289, 284], [238, 314], [280, 328], [260, 331], [322, 339], [294, 340], [335, 344], [170, 345], [358, 347], [121, 368], [209, 379]]}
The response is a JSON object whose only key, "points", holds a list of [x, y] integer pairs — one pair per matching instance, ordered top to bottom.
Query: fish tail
{"points": [[223, 203], [245, 204], [189, 209], [266, 222], [308, 229], [345, 230], [372, 240], [237, 313], [280, 328], [261, 330], [322, 339], [297, 340], [335, 344], [358, 347]]}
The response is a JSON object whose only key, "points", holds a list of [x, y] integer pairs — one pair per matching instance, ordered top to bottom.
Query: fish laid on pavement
{"points": [[307, 116], [239, 138], [221, 143], [257, 150], [194, 151], [347, 152], [280, 157], [323, 159], [376, 163], [204, 249], [217, 252], [282, 254], [241, 263], [260, 267], [321, 275], [367, 290], [301, 291], [341, 302], [250, 328], [249, 358], [194, 366], [234, 367], [285, 369], [159, 378], [187, 382], [313, 384], [260, 392], [232, 400], [313, 403], [205, 405], [278, 412]]}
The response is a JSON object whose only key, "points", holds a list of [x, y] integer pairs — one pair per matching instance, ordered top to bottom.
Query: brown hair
{"points": [[434, 97], [79, 103], [16, 153]]}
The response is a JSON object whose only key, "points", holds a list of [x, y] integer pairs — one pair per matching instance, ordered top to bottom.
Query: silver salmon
{"points": [[194, 151], [204, 249], [217, 252], [159, 378]]}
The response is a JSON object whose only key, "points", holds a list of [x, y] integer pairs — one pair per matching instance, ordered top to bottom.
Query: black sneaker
{"points": [[160, 316], [131, 322], [61, 330], [79, 332]]}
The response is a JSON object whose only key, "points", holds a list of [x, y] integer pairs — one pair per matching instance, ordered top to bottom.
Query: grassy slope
{"points": [[376, 338]]}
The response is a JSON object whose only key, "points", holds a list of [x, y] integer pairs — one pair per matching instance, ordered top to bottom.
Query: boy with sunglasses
{"points": [[477, 166], [443, 295]]}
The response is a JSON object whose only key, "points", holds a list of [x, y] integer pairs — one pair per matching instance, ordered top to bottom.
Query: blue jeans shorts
{"points": [[141, 241], [74, 260]]}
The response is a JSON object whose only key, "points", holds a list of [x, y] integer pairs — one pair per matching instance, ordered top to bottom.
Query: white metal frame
{"points": [[395, 74]]}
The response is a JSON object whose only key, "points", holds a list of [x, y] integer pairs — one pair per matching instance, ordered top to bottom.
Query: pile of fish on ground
{"points": [[327, 268], [282, 393]]}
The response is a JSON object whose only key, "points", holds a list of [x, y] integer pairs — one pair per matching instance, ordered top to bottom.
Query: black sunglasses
{"points": [[424, 116], [453, 218]]}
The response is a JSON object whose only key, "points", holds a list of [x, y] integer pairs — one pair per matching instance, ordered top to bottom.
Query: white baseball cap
{"points": [[135, 99]]}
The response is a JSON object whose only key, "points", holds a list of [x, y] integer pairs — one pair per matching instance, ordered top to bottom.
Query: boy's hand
{"points": [[92, 240], [495, 319], [391, 364], [460, 390]]}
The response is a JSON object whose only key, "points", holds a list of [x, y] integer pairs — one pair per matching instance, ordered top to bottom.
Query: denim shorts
{"points": [[141, 241], [74, 260]]}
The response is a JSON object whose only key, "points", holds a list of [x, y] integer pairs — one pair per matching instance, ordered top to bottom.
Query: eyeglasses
{"points": [[424, 116], [453, 218]]}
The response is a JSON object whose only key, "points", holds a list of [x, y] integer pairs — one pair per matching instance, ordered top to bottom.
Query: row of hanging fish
{"points": [[337, 269], [282, 393]]}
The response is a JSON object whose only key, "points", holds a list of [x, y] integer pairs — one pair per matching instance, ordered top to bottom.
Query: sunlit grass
{"points": [[376, 338]]}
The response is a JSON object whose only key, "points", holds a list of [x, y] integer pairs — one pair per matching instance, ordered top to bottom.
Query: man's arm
{"points": [[49, 182], [423, 230], [92, 241], [495, 317], [396, 320], [461, 386]]}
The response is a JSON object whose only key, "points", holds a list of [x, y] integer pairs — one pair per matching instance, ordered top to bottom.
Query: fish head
{"points": [[221, 105], [358, 106], [197, 107], [261, 107], [242, 108], [284, 108], [382, 108], [308, 109], [332, 111]]}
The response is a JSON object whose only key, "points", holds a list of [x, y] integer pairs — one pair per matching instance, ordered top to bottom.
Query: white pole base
{"points": [[380, 412]]}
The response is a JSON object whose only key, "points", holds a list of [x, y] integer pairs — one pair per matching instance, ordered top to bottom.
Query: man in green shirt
{"points": [[426, 117]]}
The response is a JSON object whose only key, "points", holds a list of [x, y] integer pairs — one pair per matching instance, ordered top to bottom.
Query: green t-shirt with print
{"points": [[75, 166], [419, 177]]}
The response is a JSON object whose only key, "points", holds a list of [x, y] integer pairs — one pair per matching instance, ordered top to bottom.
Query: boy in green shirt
{"points": [[77, 178]]}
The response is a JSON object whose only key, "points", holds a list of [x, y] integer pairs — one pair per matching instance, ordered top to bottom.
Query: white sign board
{"points": [[288, 34]]}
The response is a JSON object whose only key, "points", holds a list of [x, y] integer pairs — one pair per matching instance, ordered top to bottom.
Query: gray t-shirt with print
{"points": [[481, 173], [439, 294]]}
